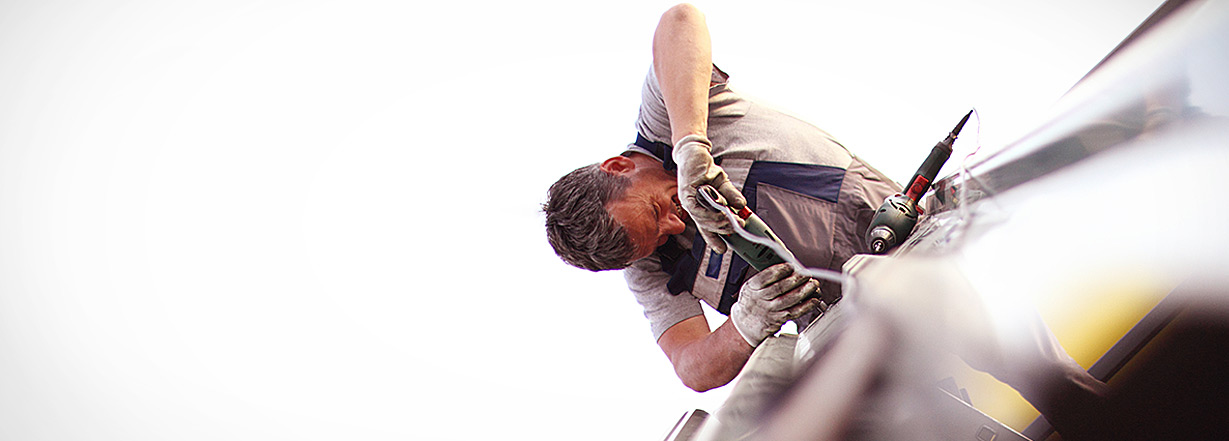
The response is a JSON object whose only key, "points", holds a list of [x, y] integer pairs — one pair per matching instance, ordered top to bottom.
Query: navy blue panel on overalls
{"points": [[660, 150], [817, 181], [682, 266]]}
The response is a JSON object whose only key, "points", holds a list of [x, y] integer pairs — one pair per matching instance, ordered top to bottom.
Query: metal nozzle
{"points": [[956, 131], [951, 137], [881, 239]]}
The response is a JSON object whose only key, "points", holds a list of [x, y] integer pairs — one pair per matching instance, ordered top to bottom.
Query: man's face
{"points": [[649, 210]]}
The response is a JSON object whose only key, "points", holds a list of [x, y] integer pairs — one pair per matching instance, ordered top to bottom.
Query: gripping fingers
{"points": [[732, 196], [706, 219], [712, 221], [714, 242], [770, 276], [796, 295], [802, 308]]}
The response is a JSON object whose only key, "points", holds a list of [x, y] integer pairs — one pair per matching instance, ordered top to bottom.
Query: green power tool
{"points": [[752, 242], [759, 256]]}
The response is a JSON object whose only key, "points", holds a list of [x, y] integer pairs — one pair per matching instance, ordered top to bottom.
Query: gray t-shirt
{"points": [[784, 158]]}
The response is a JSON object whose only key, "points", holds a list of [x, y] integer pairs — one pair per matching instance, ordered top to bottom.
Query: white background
{"points": [[320, 220]]}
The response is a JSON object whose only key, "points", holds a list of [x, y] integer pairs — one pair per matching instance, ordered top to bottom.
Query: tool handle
{"points": [[925, 175], [757, 255]]}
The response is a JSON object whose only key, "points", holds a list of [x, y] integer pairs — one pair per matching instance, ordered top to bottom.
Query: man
{"points": [[639, 210]]}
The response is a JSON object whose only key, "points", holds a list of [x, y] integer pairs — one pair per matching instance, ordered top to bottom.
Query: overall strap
{"points": [[659, 149], [682, 265]]}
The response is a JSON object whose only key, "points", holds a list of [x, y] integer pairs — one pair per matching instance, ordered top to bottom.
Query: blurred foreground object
{"points": [[1103, 226]]}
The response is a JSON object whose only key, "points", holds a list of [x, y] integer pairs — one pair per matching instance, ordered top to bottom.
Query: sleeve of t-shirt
{"points": [[653, 122], [647, 282]]}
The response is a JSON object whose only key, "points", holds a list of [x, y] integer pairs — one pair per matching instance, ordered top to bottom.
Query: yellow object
{"points": [[1088, 317]]}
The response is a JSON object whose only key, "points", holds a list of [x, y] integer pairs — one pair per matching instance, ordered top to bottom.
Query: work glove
{"points": [[693, 154], [769, 299]]}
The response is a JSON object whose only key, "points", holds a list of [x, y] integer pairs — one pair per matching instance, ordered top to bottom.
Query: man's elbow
{"points": [[682, 12], [700, 382]]}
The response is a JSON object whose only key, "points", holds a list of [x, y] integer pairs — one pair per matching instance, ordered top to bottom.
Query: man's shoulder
{"points": [[643, 268]]}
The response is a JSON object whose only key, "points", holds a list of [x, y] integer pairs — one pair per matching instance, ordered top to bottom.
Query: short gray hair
{"points": [[578, 226]]}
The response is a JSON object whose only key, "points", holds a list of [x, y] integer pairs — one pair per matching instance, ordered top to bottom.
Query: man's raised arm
{"points": [[683, 62]]}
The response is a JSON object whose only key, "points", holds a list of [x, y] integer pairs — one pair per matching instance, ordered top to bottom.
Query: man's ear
{"points": [[618, 165]]}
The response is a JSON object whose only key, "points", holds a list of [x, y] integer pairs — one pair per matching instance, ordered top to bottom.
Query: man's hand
{"points": [[696, 168], [771, 298]]}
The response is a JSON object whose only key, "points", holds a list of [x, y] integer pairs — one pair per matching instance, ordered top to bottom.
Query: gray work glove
{"points": [[693, 154], [771, 298]]}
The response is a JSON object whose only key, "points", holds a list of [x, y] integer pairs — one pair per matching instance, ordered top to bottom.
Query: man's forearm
{"points": [[682, 59], [711, 361]]}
